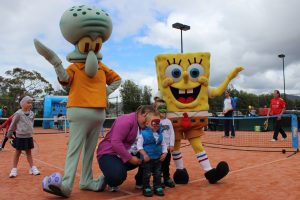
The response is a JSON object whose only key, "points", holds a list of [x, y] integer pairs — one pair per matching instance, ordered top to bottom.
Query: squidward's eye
{"points": [[84, 44], [97, 44], [195, 70], [174, 71]]}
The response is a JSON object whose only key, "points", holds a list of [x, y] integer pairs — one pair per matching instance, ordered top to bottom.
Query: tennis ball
{"points": [[283, 151]]}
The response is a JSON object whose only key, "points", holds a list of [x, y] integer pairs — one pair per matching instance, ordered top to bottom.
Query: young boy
{"points": [[169, 139], [153, 151]]}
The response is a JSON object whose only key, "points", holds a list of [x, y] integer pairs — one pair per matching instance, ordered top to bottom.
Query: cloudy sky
{"points": [[235, 32]]}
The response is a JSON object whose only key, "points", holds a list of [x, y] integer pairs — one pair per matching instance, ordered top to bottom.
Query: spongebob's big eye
{"points": [[84, 44], [195, 70], [174, 71]]}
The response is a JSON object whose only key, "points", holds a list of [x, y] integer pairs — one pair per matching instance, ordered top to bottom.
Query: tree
{"points": [[20, 82], [146, 95], [131, 96]]}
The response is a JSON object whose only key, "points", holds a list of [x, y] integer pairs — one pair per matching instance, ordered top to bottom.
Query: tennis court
{"points": [[253, 175]]}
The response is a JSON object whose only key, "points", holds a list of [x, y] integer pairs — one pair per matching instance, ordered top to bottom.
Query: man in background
{"points": [[228, 107], [277, 107]]}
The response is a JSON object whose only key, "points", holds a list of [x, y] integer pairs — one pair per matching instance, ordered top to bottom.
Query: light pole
{"points": [[182, 27], [282, 56]]}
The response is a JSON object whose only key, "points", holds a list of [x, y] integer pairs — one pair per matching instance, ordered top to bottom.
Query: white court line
{"points": [[50, 165], [202, 179]]}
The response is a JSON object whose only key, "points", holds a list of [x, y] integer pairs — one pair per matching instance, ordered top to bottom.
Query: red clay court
{"points": [[253, 175]]}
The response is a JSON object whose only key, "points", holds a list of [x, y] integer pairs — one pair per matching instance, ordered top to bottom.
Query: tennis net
{"points": [[253, 134]]}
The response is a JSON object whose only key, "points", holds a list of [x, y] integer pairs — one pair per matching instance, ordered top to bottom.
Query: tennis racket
{"points": [[266, 124], [35, 150]]}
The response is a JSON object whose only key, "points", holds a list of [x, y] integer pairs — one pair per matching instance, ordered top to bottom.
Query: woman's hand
{"points": [[135, 161]]}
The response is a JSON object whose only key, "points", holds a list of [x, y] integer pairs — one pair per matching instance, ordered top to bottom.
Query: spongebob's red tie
{"points": [[185, 121]]}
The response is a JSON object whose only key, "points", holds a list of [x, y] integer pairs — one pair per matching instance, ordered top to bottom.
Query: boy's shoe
{"points": [[232, 136], [284, 139], [273, 140], [1, 149], [34, 171], [13, 173], [169, 183], [113, 189], [159, 191], [147, 192]]}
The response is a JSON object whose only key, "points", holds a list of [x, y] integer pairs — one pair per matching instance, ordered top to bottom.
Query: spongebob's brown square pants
{"points": [[194, 130]]}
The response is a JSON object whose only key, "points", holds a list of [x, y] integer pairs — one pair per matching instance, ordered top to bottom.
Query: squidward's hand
{"points": [[47, 53], [53, 59]]}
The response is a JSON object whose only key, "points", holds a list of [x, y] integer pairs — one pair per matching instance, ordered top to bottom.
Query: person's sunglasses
{"points": [[162, 109], [155, 122]]}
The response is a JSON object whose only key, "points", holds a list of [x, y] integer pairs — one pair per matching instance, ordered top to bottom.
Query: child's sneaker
{"points": [[284, 139], [273, 140], [1, 149], [34, 171], [13, 173], [169, 183], [159, 191], [147, 192]]}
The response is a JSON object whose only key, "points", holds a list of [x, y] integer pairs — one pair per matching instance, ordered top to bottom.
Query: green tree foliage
{"points": [[20, 82], [60, 92], [133, 96], [146, 96], [246, 99]]}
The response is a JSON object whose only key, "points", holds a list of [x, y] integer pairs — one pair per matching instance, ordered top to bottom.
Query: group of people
{"points": [[277, 108], [142, 139], [150, 140]]}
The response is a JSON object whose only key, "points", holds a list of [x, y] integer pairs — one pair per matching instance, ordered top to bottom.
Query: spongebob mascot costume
{"points": [[183, 81], [89, 82]]}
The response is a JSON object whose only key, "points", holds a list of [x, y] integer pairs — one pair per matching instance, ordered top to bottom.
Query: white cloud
{"points": [[240, 32]]}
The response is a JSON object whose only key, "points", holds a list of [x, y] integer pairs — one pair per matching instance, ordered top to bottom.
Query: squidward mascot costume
{"points": [[89, 82], [183, 83]]}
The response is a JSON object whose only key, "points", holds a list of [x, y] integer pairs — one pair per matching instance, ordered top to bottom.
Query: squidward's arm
{"points": [[53, 59]]}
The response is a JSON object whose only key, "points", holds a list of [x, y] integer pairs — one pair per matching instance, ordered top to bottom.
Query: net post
{"points": [[65, 125], [294, 129]]}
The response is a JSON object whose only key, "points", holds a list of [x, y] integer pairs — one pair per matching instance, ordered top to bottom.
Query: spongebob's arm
{"points": [[218, 91]]}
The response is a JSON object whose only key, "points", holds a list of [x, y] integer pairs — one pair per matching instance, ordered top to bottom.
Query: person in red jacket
{"points": [[277, 107], [6, 125]]}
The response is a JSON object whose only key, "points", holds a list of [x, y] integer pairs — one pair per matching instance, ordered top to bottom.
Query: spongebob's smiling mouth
{"points": [[186, 96]]}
